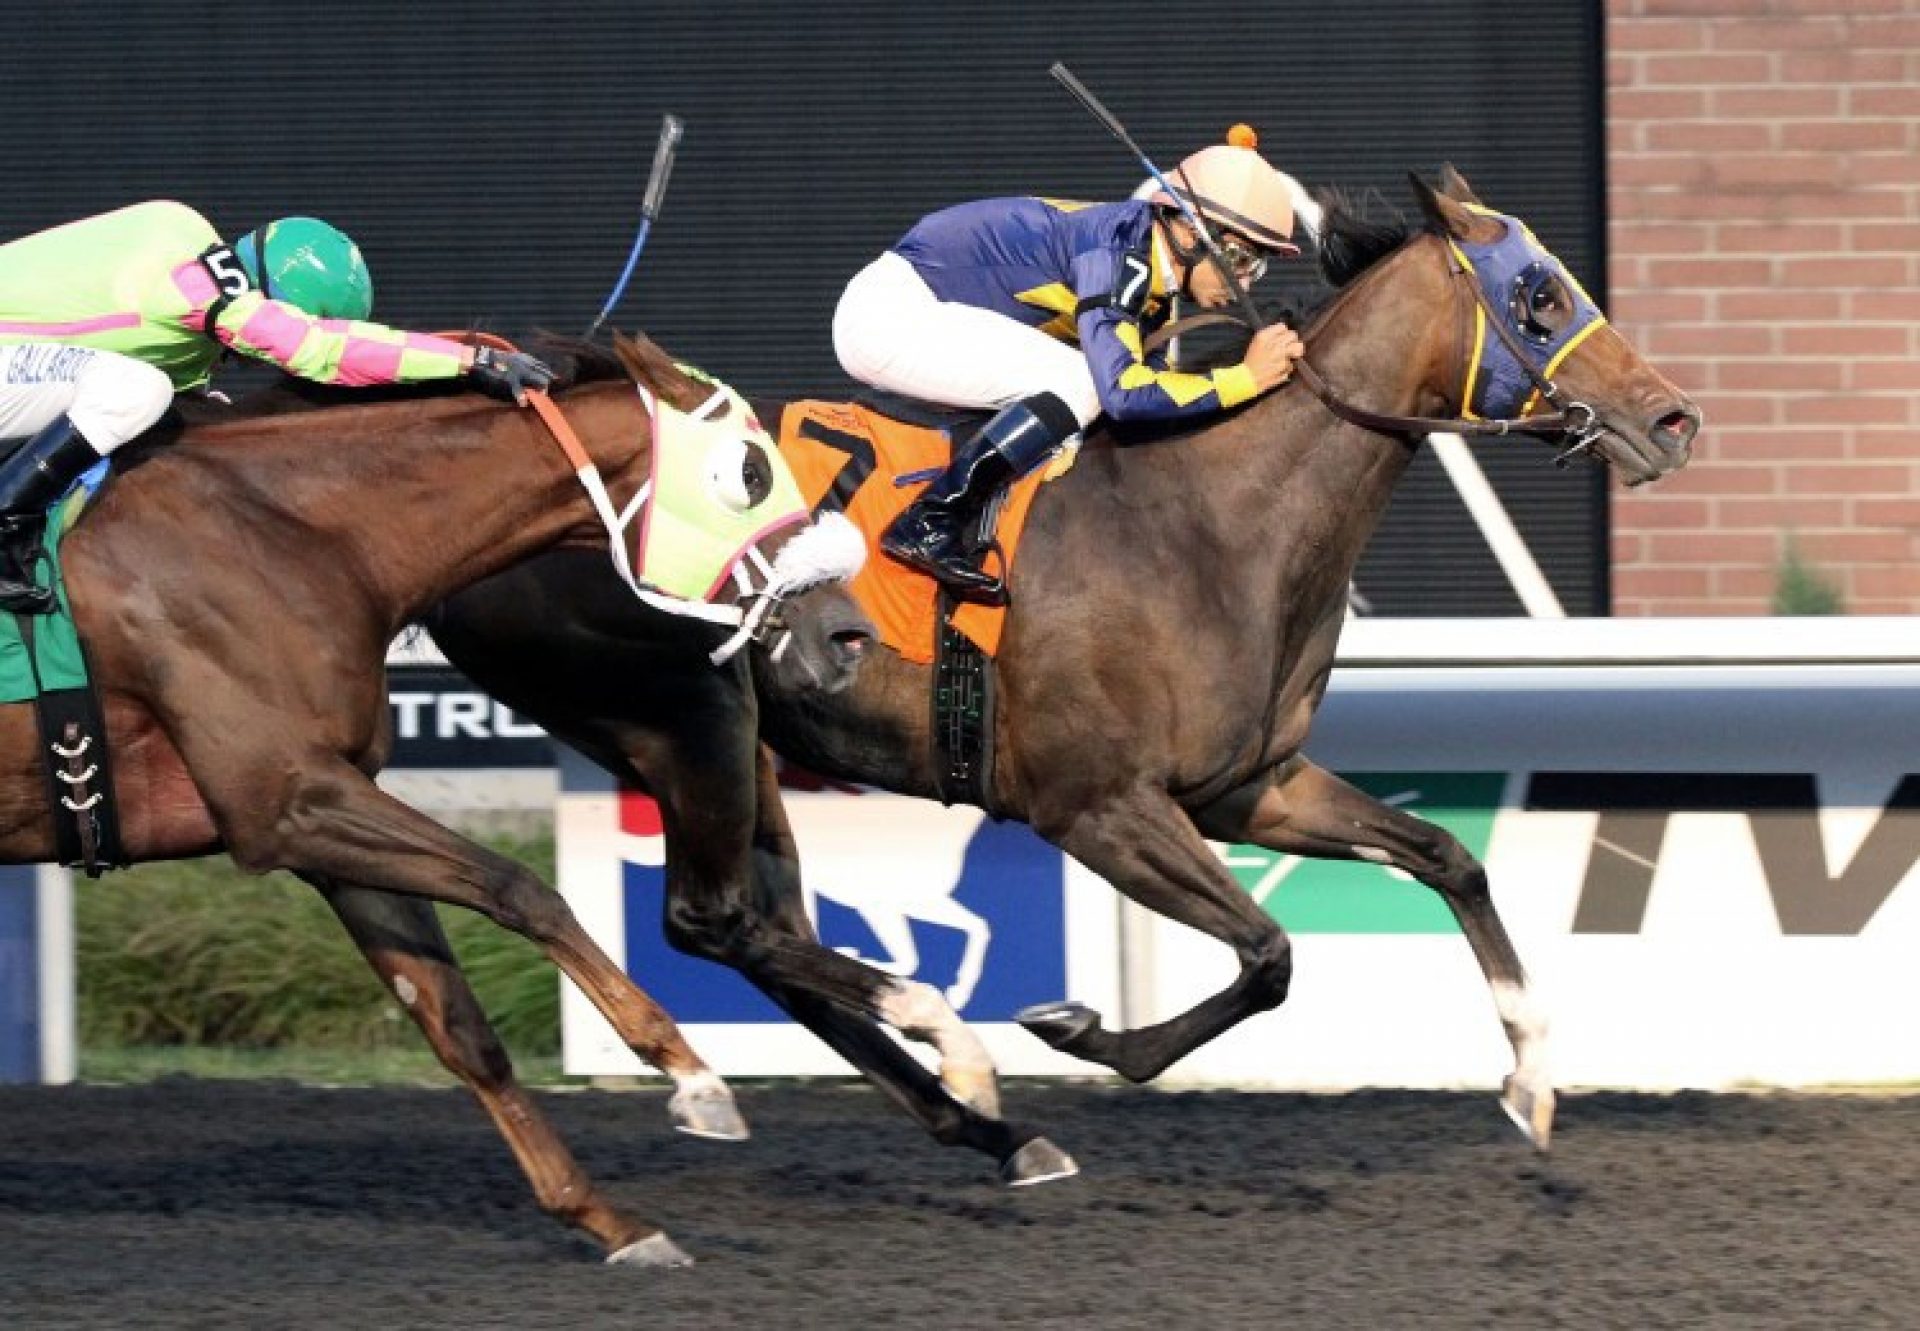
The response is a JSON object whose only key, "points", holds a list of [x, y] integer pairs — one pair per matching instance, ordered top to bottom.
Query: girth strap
{"points": [[963, 710], [80, 792]]}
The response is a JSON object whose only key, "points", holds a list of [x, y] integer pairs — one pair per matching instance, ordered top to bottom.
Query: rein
{"points": [[1573, 421]]}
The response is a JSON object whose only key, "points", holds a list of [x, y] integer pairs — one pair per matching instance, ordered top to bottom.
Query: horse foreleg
{"points": [[1301, 809], [1145, 845], [741, 904], [402, 940], [840, 1000]]}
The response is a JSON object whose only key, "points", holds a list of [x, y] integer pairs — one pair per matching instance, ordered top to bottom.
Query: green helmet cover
{"points": [[308, 263]]}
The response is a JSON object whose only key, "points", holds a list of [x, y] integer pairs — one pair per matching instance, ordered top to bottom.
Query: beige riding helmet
{"points": [[1235, 187]]}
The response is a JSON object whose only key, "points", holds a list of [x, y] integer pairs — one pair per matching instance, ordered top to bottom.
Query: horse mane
{"points": [[1350, 240]]}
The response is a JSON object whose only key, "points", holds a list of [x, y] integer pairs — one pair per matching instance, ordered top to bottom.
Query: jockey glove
{"points": [[508, 375]]}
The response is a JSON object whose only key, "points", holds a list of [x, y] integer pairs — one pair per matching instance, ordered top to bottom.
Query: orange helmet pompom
{"points": [[1242, 136]]}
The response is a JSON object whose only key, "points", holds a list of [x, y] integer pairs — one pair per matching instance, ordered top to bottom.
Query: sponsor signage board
{"points": [[440, 720], [1711, 871], [1713, 882], [36, 975]]}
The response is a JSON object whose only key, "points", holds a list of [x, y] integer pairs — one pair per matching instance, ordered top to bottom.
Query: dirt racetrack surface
{"points": [[214, 1204]]}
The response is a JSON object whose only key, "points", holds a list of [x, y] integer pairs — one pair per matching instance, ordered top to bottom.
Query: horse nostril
{"points": [[1677, 428], [852, 643]]}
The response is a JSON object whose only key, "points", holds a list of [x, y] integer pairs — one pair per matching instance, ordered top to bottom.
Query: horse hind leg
{"points": [[1302, 809], [331, 821], [1147, 847], [402, 940]]}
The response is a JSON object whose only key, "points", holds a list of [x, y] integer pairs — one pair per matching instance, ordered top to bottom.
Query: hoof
{"points": [[1059, 1024], [976, 1088], [1529, 1103], [708, 1111], [1039, 1161], [656, 1250]]}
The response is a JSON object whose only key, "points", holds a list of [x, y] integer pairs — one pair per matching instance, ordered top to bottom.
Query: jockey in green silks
{"points": [[103, 320]]}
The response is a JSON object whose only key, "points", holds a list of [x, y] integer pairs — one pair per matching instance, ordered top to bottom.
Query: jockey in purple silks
{"points": [[1040, 308]]}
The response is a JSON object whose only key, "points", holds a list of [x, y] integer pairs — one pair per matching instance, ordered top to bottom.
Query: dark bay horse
{"points": [[237, 590], [1175, 611]]}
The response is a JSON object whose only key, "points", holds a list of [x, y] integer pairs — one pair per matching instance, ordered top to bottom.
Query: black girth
{"points": [[73, 738]]}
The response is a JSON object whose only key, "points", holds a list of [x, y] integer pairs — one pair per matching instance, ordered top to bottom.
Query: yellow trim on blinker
{"points": [[1479, 335], [1533, 399]]}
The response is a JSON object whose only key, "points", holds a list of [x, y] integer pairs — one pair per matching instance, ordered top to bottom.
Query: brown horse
{"points": [[237, 590], [1176, 605]]}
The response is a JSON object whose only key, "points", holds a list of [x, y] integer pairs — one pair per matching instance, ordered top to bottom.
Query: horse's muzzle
{"points": [[1674, 431]]}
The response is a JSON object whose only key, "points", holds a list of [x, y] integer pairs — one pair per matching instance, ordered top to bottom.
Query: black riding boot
{"points": [[32, 478], [935, 533]]}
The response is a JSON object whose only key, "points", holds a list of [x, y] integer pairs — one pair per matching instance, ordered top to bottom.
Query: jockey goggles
{"points": [[1246, 259]]}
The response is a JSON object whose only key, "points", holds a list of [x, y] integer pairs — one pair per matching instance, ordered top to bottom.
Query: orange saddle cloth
{"points": [[848, 457]]}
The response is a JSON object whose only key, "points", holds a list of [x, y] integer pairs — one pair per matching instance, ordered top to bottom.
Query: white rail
{"points": [[1876, 640]]}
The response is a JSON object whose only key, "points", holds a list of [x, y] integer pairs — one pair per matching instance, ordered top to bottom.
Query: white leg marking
{"points": [[405, 990], [918, 1011], [1526, 1024], [704, 1084], [1528, 1094], [703, 1107]]}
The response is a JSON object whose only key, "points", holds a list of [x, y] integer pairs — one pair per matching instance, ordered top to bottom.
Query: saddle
{"points": [[950, 421], [868, 459]]}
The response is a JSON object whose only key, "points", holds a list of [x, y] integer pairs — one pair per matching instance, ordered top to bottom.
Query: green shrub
{"points": [[1800, 588], [198, 953]]}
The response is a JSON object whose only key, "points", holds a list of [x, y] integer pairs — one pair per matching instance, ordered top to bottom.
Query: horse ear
{"points": [[1455, 186], [1441, 212], [1451, 217], [640, 355], [648, 364]]}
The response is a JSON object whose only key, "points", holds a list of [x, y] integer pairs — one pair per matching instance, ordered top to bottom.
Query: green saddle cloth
{"points": [[56, 662]]}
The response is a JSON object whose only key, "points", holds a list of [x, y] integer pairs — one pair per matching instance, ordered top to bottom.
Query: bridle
{"points": [[1573, 423], [763, 586]]}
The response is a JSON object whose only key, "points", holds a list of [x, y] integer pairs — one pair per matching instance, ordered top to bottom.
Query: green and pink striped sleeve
{"points": [[335, 351]]}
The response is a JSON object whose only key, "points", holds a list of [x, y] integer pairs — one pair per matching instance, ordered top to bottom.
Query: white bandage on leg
{"points": [[891, 331]]}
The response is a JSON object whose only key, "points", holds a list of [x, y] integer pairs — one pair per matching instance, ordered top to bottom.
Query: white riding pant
{"points": [[891, 331], [109, 397]]}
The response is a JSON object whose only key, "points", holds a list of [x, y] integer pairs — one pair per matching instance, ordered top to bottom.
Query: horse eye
{"points": [[1540, 305], [756, 473], [729, 475]]}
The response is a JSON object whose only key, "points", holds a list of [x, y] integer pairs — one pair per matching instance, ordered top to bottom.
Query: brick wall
{"points": [[1764, 200]]}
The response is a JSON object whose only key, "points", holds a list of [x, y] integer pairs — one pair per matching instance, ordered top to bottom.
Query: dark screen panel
{"points": [[490, 158]]}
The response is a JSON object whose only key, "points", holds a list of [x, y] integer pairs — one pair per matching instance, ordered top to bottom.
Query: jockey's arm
{"points": [[1112, 292], [335, 351]]}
